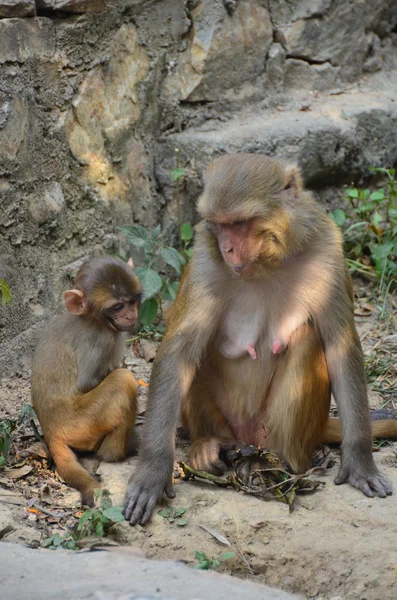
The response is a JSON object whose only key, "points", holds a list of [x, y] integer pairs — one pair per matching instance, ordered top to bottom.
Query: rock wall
{"points": [[95, 95]]}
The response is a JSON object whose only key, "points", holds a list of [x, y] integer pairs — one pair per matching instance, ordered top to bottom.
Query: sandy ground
{"points": [[336, 543]]}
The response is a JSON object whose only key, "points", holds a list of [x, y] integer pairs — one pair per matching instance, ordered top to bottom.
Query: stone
{"points": [[72, 6], [17, 8], [319, 33], [24, 39], [225, 52], [299, 74], [105, 109], [15, 119], [47, 205], [88, 577]]}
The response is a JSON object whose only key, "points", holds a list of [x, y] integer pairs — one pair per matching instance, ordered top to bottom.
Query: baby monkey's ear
{"points": [[293, 179], [130, 263], [75, 302]]}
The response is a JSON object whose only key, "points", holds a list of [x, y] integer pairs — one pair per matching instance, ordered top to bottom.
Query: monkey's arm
{"points": [[192, 321], [345, 364]]}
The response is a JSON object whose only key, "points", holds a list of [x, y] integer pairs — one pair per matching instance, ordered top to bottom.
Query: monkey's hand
{"points": [[366, 478], [145, 488]]}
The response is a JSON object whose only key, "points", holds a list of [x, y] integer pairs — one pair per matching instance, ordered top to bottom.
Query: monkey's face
{"points": [[247, 245], [122, 314]]}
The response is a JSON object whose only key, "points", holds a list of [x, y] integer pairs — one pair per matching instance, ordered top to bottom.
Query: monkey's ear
{"points": [[293, 180], [130, 263], [75, 303]]}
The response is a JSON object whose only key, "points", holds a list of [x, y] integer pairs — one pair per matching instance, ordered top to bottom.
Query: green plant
{"points": [[176, 175], [370, 231], [186, 236], [156, 288], [5, 291], [7, 426], [173, 515], [96, 521], [205, 563]]}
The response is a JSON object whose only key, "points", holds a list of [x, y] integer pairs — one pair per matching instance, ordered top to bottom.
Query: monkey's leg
{"points": [[298, 402], [111, 407], [102, 418], [208, 427]]}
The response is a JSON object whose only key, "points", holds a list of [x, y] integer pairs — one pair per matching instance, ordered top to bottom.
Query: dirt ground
{"points": [[335, 544]]}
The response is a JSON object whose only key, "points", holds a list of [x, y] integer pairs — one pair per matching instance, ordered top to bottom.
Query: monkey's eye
{"points": [[117, 307]]}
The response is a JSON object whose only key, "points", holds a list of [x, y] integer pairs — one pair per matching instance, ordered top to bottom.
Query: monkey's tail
{"points": [[384, 425], [72, 472]]}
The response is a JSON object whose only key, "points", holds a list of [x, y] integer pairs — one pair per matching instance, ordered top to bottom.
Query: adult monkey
{"points": [[260, 333], [83, 401]]}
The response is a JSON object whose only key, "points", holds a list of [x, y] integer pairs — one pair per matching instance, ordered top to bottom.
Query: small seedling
{"points": [[370, 230], [157, 287], [5, 292], [7, 427], [173, 515], [99, 520], [95, 521], [205, 563]]}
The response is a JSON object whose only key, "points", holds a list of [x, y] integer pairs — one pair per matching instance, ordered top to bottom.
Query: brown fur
{"points": [[262, 330], [83, 401]]}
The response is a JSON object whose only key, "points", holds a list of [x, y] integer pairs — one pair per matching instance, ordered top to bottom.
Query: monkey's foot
{"points": [[204, 454]]}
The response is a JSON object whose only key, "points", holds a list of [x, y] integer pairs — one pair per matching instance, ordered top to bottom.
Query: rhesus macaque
{"points": [[260, 334], [82, 399]]}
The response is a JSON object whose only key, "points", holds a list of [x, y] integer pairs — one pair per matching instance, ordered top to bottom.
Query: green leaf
{"points": [[177, 174], [352, 192], [364, 194], [377, 196], [366, 207], [393, 212], [338, 216], [376, 218], [155, 232], [186, 232], [136, 235], [357, 250], [382, 251], [189, 252], [172, 257], [150, 280], [172, 290], [6, 295], [148, 311], [26, 413], [178, 512], [114, 514], [83, 519], [181, 522], [99, 529], [56, 539], [47, 542], [200, 555], [227, 555]]}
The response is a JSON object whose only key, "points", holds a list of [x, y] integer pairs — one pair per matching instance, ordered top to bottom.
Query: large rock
{"points": [[72, 6], [17, 8], [338, 33], [23, 39], [225, 51], [104, 110], [333, 139], [46, 204], [117, 575]]}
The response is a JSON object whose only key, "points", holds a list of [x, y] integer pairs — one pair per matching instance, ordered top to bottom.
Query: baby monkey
{"points": [[83, 401]]}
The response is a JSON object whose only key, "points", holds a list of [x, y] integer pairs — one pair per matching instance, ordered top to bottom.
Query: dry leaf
{"points": [[142, 383], [18, 472], [6, 530], [216, 535]]}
